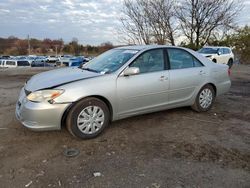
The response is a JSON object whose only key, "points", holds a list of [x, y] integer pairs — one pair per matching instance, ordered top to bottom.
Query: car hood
{"points": [[58, 77]]}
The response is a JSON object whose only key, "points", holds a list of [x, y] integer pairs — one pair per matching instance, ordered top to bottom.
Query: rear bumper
{"points": [[223, 87], [39, 116]]}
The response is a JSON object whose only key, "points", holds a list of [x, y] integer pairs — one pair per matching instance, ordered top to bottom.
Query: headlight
{"points": [[45, 95]]}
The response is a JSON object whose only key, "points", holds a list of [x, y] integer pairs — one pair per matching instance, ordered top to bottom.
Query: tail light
{"points": [[229, 72]]}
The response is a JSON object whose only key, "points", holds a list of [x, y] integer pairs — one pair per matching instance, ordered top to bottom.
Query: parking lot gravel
{"points": [[172, 148]]}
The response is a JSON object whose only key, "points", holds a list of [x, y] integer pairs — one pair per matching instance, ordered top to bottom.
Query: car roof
{"points": [[146, 47], [215, 47]]}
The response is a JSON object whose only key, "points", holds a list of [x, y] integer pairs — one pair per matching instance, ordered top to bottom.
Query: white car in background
{"points": [[218, 54], [52, 59], [63, 59], [2, 62], [11, 63]]}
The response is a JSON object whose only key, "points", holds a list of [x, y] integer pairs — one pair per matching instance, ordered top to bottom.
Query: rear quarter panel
{"points": [[217, 74], [220, 77]]}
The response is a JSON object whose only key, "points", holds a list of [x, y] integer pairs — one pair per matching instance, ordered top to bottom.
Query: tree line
{"points": [[164, 21], [15, 46]]}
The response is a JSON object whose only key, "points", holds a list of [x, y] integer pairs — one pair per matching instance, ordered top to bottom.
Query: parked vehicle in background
{"points": [[218, 54], [5, 57], [40, 59], [52, 59], [63, 59], [76, 61], [2, 63], [12, 63], [41, 64], [120, 83]]}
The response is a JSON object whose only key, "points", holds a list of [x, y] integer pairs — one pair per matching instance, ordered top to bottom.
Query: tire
{"points": [[214, 60], [230, 63], [208, 92], [88, 118]]}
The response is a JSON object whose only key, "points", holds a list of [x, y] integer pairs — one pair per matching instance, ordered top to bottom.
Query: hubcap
{"points": [[205, 98], [90, 119]]}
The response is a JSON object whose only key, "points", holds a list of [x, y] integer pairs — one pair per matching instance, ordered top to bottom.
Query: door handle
{"points": [[202, 72], [163, 78]]}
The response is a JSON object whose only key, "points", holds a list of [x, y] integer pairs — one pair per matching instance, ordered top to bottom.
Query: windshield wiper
{"points": [[88, 69]]}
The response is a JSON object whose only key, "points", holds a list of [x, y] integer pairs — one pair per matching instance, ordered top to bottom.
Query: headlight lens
{"points": [[44, 95]]}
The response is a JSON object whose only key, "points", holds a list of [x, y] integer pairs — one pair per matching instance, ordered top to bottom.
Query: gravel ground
{"points": [[172, 148]]}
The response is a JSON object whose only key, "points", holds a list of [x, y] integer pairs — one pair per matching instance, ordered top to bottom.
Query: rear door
{"points": [[186, 74], [147, 90]]}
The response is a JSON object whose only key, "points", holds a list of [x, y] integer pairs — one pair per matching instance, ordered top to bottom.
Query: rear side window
{"points": [[180, 59], [10, 63], [23, 63]]}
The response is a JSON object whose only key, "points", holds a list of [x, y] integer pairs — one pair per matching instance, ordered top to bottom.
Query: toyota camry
{"points": [[120, 83]]}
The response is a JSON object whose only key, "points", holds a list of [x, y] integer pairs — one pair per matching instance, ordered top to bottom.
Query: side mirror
{"points": [[219, 53], [131, 71]]}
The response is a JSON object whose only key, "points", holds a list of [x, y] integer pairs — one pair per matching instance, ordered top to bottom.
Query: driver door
{"points": [[146, 91]]}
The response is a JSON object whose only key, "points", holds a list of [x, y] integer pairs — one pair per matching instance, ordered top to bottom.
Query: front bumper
{"points": [[39, 116]]}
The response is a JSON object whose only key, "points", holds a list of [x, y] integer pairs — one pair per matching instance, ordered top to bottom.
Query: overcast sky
{"points": [[91, 21]]}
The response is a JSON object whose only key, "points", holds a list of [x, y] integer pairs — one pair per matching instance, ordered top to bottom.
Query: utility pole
{"points": [[29, 43], [56, 50]]}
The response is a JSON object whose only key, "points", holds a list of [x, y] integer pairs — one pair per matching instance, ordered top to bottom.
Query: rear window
{"points": [[23, 63]]}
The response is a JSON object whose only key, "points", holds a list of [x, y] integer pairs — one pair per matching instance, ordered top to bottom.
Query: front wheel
{"points": [[205, 99], [88, 118]]}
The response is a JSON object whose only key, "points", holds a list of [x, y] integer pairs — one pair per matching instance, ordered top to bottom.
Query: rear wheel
{"points": [[230, 63], [205, 99], [88, 118]]}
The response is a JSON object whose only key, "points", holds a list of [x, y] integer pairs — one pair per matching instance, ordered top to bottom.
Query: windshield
{"points": [[208, 50], [109, 61]]}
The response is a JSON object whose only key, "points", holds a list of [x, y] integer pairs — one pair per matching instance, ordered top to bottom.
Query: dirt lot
{"points": [[173, 148]]}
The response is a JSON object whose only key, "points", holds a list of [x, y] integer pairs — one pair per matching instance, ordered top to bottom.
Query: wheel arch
{"points": [[214, 87], [104, 99]]}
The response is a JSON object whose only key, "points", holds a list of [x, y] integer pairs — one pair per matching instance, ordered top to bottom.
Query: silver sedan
{"points": [[120, 83]]}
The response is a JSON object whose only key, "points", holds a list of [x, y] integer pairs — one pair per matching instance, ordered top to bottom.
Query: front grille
{"points": [[27, 92]]}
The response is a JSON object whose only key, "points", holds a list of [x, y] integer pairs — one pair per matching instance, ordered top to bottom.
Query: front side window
{"points": [[220, 51], [180, 59], [150, 61]]}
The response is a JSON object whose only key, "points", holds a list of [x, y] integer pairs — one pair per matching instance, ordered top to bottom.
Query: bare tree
{"points": [[160, 14], [199, 19], [148, 21], [134, 22]]}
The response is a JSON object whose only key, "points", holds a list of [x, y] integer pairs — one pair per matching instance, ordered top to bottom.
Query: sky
{"points": [[90, 21]]}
